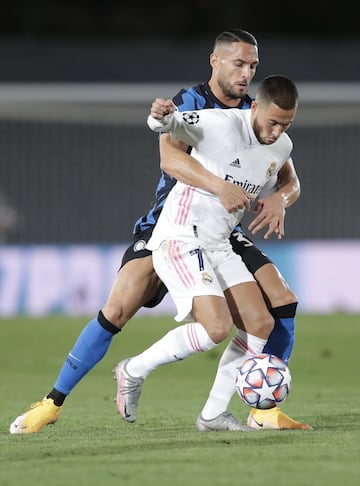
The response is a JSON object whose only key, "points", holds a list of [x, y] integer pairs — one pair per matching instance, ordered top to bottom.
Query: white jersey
{"points": [[224, 142]]}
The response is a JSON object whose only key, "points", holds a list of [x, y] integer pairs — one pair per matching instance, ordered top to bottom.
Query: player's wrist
{"points": [[217, 186], [285, 199]]}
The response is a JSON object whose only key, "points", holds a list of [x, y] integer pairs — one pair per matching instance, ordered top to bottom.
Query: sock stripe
{"points": [[193, 337], [240, 343]]}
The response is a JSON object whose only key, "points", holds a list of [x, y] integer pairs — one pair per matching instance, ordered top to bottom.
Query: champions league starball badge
{"points": [[191, 118]]}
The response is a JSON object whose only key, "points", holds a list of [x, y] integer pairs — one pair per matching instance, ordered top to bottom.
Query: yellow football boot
{"points": [[40, 414], [273, 418]]}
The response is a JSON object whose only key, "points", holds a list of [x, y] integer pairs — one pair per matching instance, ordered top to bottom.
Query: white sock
{"points": [[176, 345], [241, 347]]}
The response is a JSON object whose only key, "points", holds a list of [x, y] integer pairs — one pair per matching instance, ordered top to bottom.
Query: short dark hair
{"points": [[235, 35], [280, 90]]}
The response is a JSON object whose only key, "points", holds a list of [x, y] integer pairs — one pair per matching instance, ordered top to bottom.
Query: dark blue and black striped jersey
{"points": [[195, 98]]}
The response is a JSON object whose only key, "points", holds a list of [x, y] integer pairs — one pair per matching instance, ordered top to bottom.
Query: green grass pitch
{"points": [[91, 445]]}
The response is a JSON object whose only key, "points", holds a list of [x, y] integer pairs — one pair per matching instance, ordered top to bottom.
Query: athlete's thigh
{"points": [[187, 273], [135, 284], [249, 310]]}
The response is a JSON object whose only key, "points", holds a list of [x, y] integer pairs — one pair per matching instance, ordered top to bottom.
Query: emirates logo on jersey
{"points": [[191, 118], [247, 185]]}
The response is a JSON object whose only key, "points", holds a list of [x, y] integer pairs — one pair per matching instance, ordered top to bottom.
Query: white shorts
{"points": [[188, 271]]}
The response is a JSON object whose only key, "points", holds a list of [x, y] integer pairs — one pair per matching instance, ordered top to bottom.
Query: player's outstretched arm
{"points": [[270, 211]]}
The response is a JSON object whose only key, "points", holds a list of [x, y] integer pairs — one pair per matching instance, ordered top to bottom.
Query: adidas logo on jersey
{"points": [[236, 163]]}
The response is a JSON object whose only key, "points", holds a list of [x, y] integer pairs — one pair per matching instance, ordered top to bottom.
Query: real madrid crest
{"points": [[271, 170], [206, 278]]}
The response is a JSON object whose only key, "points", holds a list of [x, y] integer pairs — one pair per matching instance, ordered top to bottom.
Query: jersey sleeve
{"points": [[185, 100], [183, 126]]}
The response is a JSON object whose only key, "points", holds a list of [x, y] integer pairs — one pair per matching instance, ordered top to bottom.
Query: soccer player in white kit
{"points": [[190, 243]]}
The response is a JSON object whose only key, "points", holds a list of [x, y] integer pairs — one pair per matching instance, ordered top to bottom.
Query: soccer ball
{"points": [[263, 381]]}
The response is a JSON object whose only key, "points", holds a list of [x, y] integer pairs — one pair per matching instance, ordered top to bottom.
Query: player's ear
{"points": [[214, 60], [253, 105]]}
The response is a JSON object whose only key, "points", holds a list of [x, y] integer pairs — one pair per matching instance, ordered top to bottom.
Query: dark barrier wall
{"points": [[304, 58], [82, 179], [74, 181]]}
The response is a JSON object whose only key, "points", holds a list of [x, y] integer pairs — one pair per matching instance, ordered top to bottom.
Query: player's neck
{"points": [[225, 100]]}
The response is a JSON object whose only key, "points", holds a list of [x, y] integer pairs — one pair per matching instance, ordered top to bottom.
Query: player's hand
{"points": [[161, 107], [234, 197], [269, 211]]}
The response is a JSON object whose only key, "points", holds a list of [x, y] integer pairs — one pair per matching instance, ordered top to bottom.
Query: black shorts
{"points": [[242, 245], [137, 250], [252, 256]]}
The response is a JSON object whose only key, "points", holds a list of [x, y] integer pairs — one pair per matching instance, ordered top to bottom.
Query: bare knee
{"points": [[274, 286], [282, 295], [116, 314], [214, 315], [266, 325], [261, 326], [218, 330]]}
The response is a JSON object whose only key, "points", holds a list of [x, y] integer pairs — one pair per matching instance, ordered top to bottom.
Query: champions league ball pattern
{"points": [[263, 381]]}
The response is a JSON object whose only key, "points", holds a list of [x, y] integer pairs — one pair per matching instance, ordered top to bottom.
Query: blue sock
{"points": [[282, 338], [89, 349]]}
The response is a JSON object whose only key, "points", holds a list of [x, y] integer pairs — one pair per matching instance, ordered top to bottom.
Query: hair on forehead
{"points": [[235, 35]]}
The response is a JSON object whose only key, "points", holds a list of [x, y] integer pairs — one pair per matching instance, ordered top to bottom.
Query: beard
{"points": [[229, 90]]}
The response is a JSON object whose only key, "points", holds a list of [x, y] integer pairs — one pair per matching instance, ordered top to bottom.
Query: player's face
{"points": [[234, 66], [270, 121]]}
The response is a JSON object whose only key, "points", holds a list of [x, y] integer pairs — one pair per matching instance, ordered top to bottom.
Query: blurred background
{"points": [[78, 164]]}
